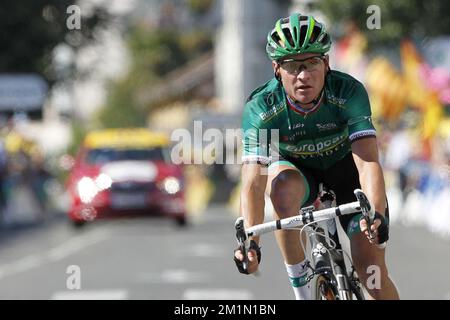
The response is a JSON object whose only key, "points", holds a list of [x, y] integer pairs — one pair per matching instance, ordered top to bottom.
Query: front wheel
{"points": [[78, 224], [322, 288], [356, 288]]}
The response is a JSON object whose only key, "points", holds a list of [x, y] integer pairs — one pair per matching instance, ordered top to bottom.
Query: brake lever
{"points": [[366, 209], [243, 242]]}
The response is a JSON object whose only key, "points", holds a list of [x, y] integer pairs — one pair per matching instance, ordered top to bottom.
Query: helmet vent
{"points": [[303, 18], [295, 30], [303, 30], [315, 34], [288, 35], [276, 38], [325, 39]]}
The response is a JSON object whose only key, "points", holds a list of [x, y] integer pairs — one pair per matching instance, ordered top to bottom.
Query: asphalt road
{"points": [[154, 259]]}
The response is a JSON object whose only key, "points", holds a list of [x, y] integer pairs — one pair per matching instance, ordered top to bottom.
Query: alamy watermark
{"points": [[374, 20], [73, 21], [214, 146], [374, 280], [73, 281]]}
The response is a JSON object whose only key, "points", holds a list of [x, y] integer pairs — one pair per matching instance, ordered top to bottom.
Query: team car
{"points": [[123, 172]]}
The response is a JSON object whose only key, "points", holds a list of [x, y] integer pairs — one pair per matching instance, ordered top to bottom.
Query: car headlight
{"points": [[103, 182], [171, 185], [87, 189]]}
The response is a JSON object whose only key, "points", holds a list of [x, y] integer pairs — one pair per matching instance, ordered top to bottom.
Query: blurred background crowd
{"points": [[163, 64]]}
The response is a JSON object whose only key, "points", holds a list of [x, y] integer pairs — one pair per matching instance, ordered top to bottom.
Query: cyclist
{"points": [[325, 135]]}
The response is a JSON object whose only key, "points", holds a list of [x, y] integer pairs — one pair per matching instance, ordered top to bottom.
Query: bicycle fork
{"points": [[342, 283]]}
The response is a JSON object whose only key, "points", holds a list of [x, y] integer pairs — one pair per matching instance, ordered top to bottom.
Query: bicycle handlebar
{"points": [[366, 209], [308, 215], [243, 241]]}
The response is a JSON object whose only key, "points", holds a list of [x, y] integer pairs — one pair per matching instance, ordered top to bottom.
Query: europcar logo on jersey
{"points": [[273, 111], [309, 148]]}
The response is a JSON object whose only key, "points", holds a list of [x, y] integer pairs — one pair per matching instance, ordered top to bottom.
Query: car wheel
{"points": [[181, 221], [78, 223]]}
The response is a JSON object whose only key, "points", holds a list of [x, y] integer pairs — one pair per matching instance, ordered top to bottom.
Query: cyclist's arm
{"points": [[362, 135], [365, 154], [255, 156], [252, 194]]}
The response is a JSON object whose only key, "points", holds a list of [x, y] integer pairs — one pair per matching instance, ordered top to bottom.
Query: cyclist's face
{"points": [[302, 75]]}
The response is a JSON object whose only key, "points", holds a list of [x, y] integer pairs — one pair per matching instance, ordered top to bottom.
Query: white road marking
{"points": [[76, 244], [205, 250], [60, 252], [21, 265], [174, 276], [115, 294], [216, 294]]}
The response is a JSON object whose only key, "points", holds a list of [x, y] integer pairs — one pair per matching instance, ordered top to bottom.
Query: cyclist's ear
{"points": [[327, 62], [275, 66], [276, 70]]}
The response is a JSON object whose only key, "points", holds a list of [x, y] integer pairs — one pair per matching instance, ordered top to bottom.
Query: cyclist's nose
{"points": [[304, 75]]}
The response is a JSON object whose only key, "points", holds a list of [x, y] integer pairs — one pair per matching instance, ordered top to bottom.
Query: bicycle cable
{"points": [[321, 234], [347, 255]]}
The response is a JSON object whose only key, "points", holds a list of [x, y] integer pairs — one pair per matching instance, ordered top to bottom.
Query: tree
{"points": [[200, 6], [416, 19], [30, 30], [155, 52], [122, 109]]}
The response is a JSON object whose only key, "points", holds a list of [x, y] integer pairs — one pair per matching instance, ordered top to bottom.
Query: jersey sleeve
{"points": [[358, 114], [256, 135]]}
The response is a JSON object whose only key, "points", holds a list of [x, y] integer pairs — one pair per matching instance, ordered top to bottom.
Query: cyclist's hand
{"points": [[373, 228], [379, 228], [253, 258]]}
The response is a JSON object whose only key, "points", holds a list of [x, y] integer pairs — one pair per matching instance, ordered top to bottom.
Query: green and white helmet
{"points": [[297, 34]]}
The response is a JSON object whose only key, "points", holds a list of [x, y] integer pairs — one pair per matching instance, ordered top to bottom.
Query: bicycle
{"points": [[329, 278]]}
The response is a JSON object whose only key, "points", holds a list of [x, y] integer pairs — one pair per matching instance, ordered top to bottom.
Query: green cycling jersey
{"points": [[274, 125]]}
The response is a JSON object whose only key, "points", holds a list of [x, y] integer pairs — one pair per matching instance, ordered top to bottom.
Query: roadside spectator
{"points": [[398, 155], [3, 175]]}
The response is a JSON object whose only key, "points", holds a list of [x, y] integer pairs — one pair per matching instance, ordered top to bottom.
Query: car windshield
{"points": [[104, 155]]}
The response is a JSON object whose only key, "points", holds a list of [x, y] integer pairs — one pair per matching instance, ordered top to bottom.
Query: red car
{"points": [[120, 172]]}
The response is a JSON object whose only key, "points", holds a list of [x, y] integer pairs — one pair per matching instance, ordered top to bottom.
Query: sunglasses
{"points": [[295, 66]]}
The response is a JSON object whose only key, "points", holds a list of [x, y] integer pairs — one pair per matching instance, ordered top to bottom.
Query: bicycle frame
{"points": [[327, 258]]}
